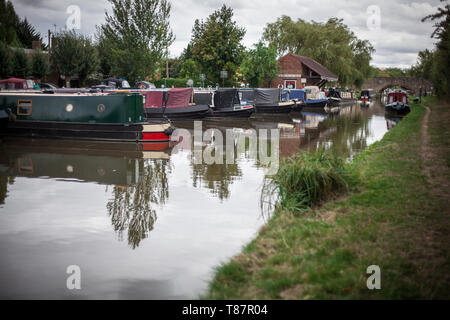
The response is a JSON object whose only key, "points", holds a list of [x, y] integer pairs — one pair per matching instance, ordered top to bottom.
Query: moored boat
{"points": [[298, 96], [314, 97], [337, 97], [367, 97], [269, 101], [397, 102], [174, 103], [227, 104], [115, 117]]}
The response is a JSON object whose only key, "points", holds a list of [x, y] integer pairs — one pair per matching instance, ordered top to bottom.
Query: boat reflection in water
{"points": [[392, 121], [136, 183]]}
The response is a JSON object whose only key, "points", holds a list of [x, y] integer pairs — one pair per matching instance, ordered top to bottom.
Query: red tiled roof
{"points": [[316, 67]]}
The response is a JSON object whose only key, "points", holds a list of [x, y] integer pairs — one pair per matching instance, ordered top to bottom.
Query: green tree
{"points": [[9, 22], [13, 31], [27, 34], [139, 34], [216, 44], [332, 44], [105, 53], [73, 55], [7, 61], [441, 64], [21, 65], [260, 65], [424, 65], [39, 66], [174, 68], [189, 69]]}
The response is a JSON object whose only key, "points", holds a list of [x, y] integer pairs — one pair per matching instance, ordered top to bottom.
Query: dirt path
{"points": [[434, 166], [436, 238]]}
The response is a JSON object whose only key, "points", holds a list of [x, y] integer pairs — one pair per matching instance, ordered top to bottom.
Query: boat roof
{"points": [[13, 80]]}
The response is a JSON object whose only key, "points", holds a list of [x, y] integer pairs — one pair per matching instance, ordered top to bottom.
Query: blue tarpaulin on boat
{"points": [[297, 94]]}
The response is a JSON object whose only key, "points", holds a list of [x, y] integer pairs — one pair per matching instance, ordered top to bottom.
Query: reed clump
{"points": [[308, 178]]}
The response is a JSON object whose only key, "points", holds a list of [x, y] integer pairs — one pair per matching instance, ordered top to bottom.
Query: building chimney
{"points": [[36, 45]]}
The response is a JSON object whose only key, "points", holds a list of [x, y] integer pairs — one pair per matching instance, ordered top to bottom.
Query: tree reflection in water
{"points": [[350, 132], [219, 177], [130, 209]]}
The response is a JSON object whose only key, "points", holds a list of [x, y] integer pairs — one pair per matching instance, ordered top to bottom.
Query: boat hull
{"points": [[312, 104], [298, 106], [280, 108], [397, 109], [190, 112], [230, 112], [142, 132]]}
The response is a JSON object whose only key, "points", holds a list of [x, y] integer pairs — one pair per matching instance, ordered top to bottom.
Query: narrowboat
{"points": [[368, 95], [298, 96], [336, 97], [315, 98], [269, 101], [397, 102], [174, 103], [226, 104], [114, 117]]}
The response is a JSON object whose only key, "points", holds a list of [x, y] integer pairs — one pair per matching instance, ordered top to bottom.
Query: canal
{"points": [[147, 223]]}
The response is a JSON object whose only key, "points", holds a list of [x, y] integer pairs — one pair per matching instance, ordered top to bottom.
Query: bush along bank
{"points": [[380, 211]]}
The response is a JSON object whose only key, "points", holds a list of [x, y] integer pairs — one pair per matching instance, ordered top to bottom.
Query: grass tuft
{"points": [[308, 178]]}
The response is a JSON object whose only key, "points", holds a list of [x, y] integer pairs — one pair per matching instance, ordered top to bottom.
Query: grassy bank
{"points": [[395, 216]]}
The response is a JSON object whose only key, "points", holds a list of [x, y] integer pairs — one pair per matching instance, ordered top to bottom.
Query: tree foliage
{"points": [[14, 31], [139, 34], [216, 44], [332, 44], [105, 54], [73, 55], [441, 58], [6, 59], [21, 64], [259, 65], [424, 65], [39, 66], [189, 69], [390, 72]]}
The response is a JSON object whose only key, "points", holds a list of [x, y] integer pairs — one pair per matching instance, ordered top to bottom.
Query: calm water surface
{"points": [[142, 223]]}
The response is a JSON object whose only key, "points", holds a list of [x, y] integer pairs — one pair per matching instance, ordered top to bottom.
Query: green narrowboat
{"points": [[113, 117]]}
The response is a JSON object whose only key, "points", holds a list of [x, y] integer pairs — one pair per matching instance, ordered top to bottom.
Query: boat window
{"points": [[30, 84], [125, 84], [391, 99], [405, 99], [24, 107], [101, 108], [25, 165]]}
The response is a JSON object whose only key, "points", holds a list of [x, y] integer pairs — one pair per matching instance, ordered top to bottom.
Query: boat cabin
{"points": [[115, 83], [16, 84], [397, 96]]}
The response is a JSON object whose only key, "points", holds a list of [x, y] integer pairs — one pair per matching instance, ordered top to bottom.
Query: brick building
{"points": [[297, 72]]}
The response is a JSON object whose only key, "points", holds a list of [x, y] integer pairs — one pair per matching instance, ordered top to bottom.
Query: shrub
{"points": [[308, 178]]}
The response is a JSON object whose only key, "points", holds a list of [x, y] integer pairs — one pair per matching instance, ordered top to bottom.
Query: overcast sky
{"points": [[398, 35]]}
